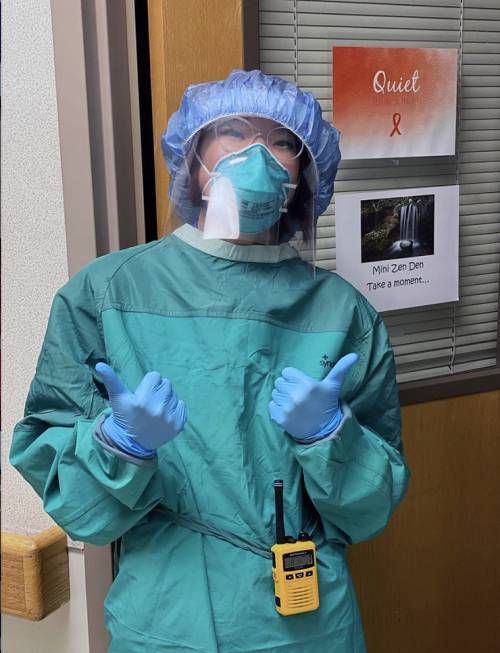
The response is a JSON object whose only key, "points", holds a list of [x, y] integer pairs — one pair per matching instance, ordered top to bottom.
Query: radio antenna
{"points": [[278, 500]]}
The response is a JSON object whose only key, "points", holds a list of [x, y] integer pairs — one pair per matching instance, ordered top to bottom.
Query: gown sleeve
{"points": [[357, 476], [94, 495]]}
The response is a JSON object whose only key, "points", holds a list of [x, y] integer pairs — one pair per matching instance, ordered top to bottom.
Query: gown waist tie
{"points": [[236, 540]]}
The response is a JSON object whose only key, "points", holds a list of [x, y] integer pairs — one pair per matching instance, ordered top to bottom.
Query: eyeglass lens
{"points": [[235, 134]]}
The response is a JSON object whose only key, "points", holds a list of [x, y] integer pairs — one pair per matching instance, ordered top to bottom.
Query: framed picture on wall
{"points": [[399, 247]]}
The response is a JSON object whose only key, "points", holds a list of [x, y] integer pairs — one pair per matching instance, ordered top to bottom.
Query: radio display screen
{"points": [[298, 560]]}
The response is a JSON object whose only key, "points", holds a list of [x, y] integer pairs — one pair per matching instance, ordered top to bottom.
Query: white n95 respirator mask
{"points": [[248, 192]]}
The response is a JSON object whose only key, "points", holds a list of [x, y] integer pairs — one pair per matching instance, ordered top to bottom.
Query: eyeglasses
{"points": [[235, 133]]}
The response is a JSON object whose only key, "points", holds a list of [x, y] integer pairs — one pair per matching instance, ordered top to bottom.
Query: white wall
{"points": [[34, 265]]}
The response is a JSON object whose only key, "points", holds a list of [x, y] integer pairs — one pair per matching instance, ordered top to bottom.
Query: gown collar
{"points": [[232, 252]]}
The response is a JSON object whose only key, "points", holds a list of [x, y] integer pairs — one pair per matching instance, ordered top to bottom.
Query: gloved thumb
{"points": [[341, 368], [114, 385]]}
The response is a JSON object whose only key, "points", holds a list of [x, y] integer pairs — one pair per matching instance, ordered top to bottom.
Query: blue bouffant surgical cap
{"points": [[249, 93]]}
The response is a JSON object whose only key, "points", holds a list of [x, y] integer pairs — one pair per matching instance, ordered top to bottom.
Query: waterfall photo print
{"points": [[397, 227]]}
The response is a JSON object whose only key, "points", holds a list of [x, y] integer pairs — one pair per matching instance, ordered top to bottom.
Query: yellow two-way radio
{"points": [[294, 566]]}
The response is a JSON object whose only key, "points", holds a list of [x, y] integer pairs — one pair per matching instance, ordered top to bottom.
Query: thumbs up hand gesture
{"points": [[306, 408], [144, 420]]}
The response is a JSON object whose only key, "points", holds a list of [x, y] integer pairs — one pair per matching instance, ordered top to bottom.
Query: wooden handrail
{"points": [[35, 573]]}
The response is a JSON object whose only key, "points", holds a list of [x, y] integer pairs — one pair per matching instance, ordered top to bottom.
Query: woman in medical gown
{"points": [[225, 360]]}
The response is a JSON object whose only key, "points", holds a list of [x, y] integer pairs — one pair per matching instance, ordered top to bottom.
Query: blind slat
{"points": [[303, 4], [481, 4], [276, 5], [380, 9], [276, 18], [373, 22], [276, 30], [386, 32], [481, 47], [483, 199], [481, 229], [479, 270], [485, 338], [475, 365]]}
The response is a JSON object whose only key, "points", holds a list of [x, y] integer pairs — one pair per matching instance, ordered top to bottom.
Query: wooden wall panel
{"points": [[191, 41], [431, 581]]}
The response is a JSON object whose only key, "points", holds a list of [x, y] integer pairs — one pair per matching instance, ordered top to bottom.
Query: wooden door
{"points": [[431, 582]]}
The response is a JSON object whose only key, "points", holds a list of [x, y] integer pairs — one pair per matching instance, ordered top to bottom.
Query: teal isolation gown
{"points": [[197, 521]]}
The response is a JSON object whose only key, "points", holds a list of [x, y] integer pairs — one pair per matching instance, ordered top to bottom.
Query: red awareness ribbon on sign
{"points": [[396, 119]]}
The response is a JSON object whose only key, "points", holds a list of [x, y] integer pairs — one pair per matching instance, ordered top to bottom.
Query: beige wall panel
{"points": [[191, 41], [431, 581]]}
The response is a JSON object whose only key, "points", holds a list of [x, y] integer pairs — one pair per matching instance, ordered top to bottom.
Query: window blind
{"points": [[296, 38]]}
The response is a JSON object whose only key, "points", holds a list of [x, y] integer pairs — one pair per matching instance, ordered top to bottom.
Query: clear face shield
{"points": [[250, 181]]}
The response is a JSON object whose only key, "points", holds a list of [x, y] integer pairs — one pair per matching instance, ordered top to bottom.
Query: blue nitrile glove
{"points": [[306, 408], [141, 421]]}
